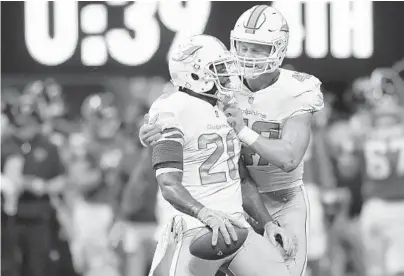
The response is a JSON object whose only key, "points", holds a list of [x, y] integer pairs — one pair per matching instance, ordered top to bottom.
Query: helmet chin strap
{"points": [[212, 92], [209, 96]]}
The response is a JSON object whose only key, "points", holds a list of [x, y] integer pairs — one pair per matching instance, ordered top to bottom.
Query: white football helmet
{"points": [[263, 25], [202, 62]]}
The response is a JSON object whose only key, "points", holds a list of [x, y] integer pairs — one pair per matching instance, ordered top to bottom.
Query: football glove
{"points": [[218, 221], [279, 238]]}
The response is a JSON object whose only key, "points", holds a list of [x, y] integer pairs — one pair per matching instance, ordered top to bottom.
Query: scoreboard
{"points": [[337, 41]]}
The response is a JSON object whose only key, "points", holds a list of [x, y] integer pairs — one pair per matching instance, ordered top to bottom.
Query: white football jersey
{"points": [[266, 111], [211, 150]]}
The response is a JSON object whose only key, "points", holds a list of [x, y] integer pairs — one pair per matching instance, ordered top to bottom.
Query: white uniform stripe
{"points": [[172, 133], [178, 140], [307, 227], [176, 256]]}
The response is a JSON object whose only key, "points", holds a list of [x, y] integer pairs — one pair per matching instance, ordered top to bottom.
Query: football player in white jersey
{"points": [[272, 118], [196, 162]]}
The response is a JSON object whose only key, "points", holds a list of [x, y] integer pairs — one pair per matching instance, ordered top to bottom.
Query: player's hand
{"points": [[234, 117], [149, 134], [218, 221], [279, 238]]}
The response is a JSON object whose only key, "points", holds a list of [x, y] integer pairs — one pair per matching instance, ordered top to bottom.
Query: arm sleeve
{"points": [[167, 154]]}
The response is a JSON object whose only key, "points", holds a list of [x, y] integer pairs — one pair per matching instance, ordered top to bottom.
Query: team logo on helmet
{"points": [[185, 52]]}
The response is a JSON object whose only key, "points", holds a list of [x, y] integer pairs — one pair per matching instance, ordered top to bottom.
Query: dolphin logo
{"points": [[186, 53]]}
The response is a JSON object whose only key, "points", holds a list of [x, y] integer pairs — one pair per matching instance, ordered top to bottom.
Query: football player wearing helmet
{"points": [[52, 110], [101, 116], [272, 117], [379, 152], [33, 165], [196, 166], [99, 177]]}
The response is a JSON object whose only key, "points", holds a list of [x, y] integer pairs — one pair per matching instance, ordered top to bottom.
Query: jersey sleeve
{"points": [[309, 97], [167, 154]]}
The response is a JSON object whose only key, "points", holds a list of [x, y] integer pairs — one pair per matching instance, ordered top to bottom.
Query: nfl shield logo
{"points": [[251, 100]]}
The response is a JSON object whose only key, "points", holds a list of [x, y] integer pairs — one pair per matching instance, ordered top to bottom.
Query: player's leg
{"points": [[290, 207], [393, 231], [318, 234], [373, 242], [135, 246], [395, 255], [257, 257], [100, 258], [178, 261]]}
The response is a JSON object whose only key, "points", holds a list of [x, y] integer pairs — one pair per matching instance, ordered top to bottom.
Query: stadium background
{"points": [[98, 51]]}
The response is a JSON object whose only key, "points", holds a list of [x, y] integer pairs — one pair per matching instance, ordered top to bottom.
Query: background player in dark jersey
{"points": [[379, 151], [100, 173]]}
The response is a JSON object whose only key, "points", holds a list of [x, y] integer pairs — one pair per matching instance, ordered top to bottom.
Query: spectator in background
{"points": [[375, 147], [31, 162], [99, 171], [318, 175], [9, 197], [344, 203], [136, 225]]}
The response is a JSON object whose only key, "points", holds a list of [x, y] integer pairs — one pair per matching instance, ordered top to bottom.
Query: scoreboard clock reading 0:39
{"points": [[130, 33]]}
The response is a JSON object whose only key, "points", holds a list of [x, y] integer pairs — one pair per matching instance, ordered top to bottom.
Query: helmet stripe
{"points": [[253, 20]]}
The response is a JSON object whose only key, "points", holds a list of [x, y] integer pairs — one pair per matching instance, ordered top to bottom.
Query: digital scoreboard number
{"points": [[342, 29], [134, 44]]}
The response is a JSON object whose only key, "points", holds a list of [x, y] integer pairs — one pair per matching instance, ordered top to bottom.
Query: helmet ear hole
{"points": [[194, 76]]}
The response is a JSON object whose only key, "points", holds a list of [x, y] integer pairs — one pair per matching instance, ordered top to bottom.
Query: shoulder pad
{"points": [[303, 82], [306, 89], [165, 96], [312, 100], [161, 110], [166, 113]]}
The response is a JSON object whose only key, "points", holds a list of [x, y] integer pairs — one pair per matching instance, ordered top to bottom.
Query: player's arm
{"points": [[149, 132], [343, 151], [287, 152], [167, 160], [168, 163], [57, 183], [173, 191], [252, 202], [254, 206]]}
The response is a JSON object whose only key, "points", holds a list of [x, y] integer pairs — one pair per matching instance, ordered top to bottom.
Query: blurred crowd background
{"points": [[78, 194]]}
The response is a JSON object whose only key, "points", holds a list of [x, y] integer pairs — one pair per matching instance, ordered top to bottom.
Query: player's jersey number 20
{"points": [[206, 176]]}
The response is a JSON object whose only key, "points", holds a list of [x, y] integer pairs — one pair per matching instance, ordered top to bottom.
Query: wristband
{"points": [[248, 136]]}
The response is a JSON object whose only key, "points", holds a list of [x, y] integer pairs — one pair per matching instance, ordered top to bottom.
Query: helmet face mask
{"points": [[268, 29], [203, 65], [254, 66], [226, 76]]}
